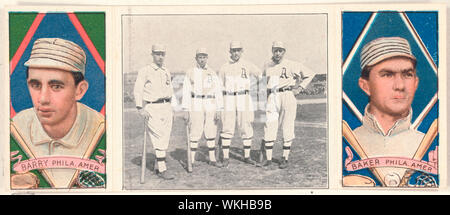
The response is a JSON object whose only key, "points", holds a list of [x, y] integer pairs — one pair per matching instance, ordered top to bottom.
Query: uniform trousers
{"points": [[238, 110], [281, 111], [202, 120], [159, 125]]}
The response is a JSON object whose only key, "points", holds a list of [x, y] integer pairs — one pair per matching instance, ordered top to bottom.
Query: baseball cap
{"points": [[278, 44], [235, 45], [158, 48], [383, 48], [201, 51], [57, 53]]}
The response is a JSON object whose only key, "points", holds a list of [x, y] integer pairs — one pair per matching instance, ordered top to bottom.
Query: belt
{"points": [[269, 91], [242, 92], [203, 96], [162, 100]]}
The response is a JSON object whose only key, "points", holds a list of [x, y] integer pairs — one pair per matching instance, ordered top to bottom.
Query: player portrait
{"points": [[57, 100], [390, 103]]}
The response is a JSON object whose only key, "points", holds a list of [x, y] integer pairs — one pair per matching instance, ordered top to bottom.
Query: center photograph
{"points": [[225, 101]]}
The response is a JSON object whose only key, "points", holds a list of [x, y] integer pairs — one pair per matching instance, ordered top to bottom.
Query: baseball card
{"points": [[391, 66], [214, 99], [57, 100]]}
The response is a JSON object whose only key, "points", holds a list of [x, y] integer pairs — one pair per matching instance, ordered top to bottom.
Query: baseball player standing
{"points": [[153, 94], [202, 97], [238, 106], [281, 108]]}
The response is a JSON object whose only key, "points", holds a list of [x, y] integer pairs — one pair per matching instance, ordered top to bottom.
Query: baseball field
{"points": [[308, 161]]}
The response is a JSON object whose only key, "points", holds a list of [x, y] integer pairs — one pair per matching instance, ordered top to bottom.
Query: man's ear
{"points": [[417, 82], [364, 85], [82, 88]]}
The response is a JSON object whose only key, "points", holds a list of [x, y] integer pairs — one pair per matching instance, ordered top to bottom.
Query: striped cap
{"points": [[383, 48], [57, 53]]}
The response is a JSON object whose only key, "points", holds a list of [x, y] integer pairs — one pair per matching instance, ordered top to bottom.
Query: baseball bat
{"points": [[98, 134], [353, 141], [23, 145], [421, 150], [189, 154], [144, 155]]}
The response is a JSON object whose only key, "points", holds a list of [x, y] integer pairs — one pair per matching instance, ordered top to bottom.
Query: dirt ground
{"points": [[308, 161]]}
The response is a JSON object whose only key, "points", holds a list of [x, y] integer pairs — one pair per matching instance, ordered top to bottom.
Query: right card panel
{"points": [[390, 103]]}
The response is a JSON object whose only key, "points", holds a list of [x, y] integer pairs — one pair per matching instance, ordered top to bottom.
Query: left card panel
{"points": [[57, 100]]}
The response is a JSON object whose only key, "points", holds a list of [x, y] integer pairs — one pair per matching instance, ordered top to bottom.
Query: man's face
{"points": [[235, 54], [278, 54], [158, 58], [201, 59], [391, 86], [54, 94]]}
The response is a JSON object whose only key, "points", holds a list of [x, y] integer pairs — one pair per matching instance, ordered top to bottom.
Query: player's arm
{"points": [[256, 71], [221, 75], [306, 75], [256, 83], [262, 86], [139, 87], [187, 92], [218, 93], [174, 100]]}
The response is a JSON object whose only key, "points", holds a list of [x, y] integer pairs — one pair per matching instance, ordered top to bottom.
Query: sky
{"points": [[304, 35]]}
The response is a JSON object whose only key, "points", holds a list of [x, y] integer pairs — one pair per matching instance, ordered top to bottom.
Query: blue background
{"points": [[388, 24], [58, 25]]}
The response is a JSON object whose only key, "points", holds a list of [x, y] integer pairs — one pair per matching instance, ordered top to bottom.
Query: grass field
{"points": [[308, 161]]}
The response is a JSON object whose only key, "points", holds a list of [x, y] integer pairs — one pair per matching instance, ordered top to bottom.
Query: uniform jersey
{"points": [[285, 73], [236, 75], [152, 83], [202, 87], [400, 141], [78, 142]]}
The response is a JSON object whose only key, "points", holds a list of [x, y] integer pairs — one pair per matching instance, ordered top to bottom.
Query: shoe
{"points": [[250, 161], [225, 162], [195, 164], [216, 164], [283, 164], [268, 165], [165, 175]]}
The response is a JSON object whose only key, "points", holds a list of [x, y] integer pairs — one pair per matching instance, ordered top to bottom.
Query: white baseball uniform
{"points": [[153, 91], [202, 97], [238, 104], [281, 106], [400, 141]]}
